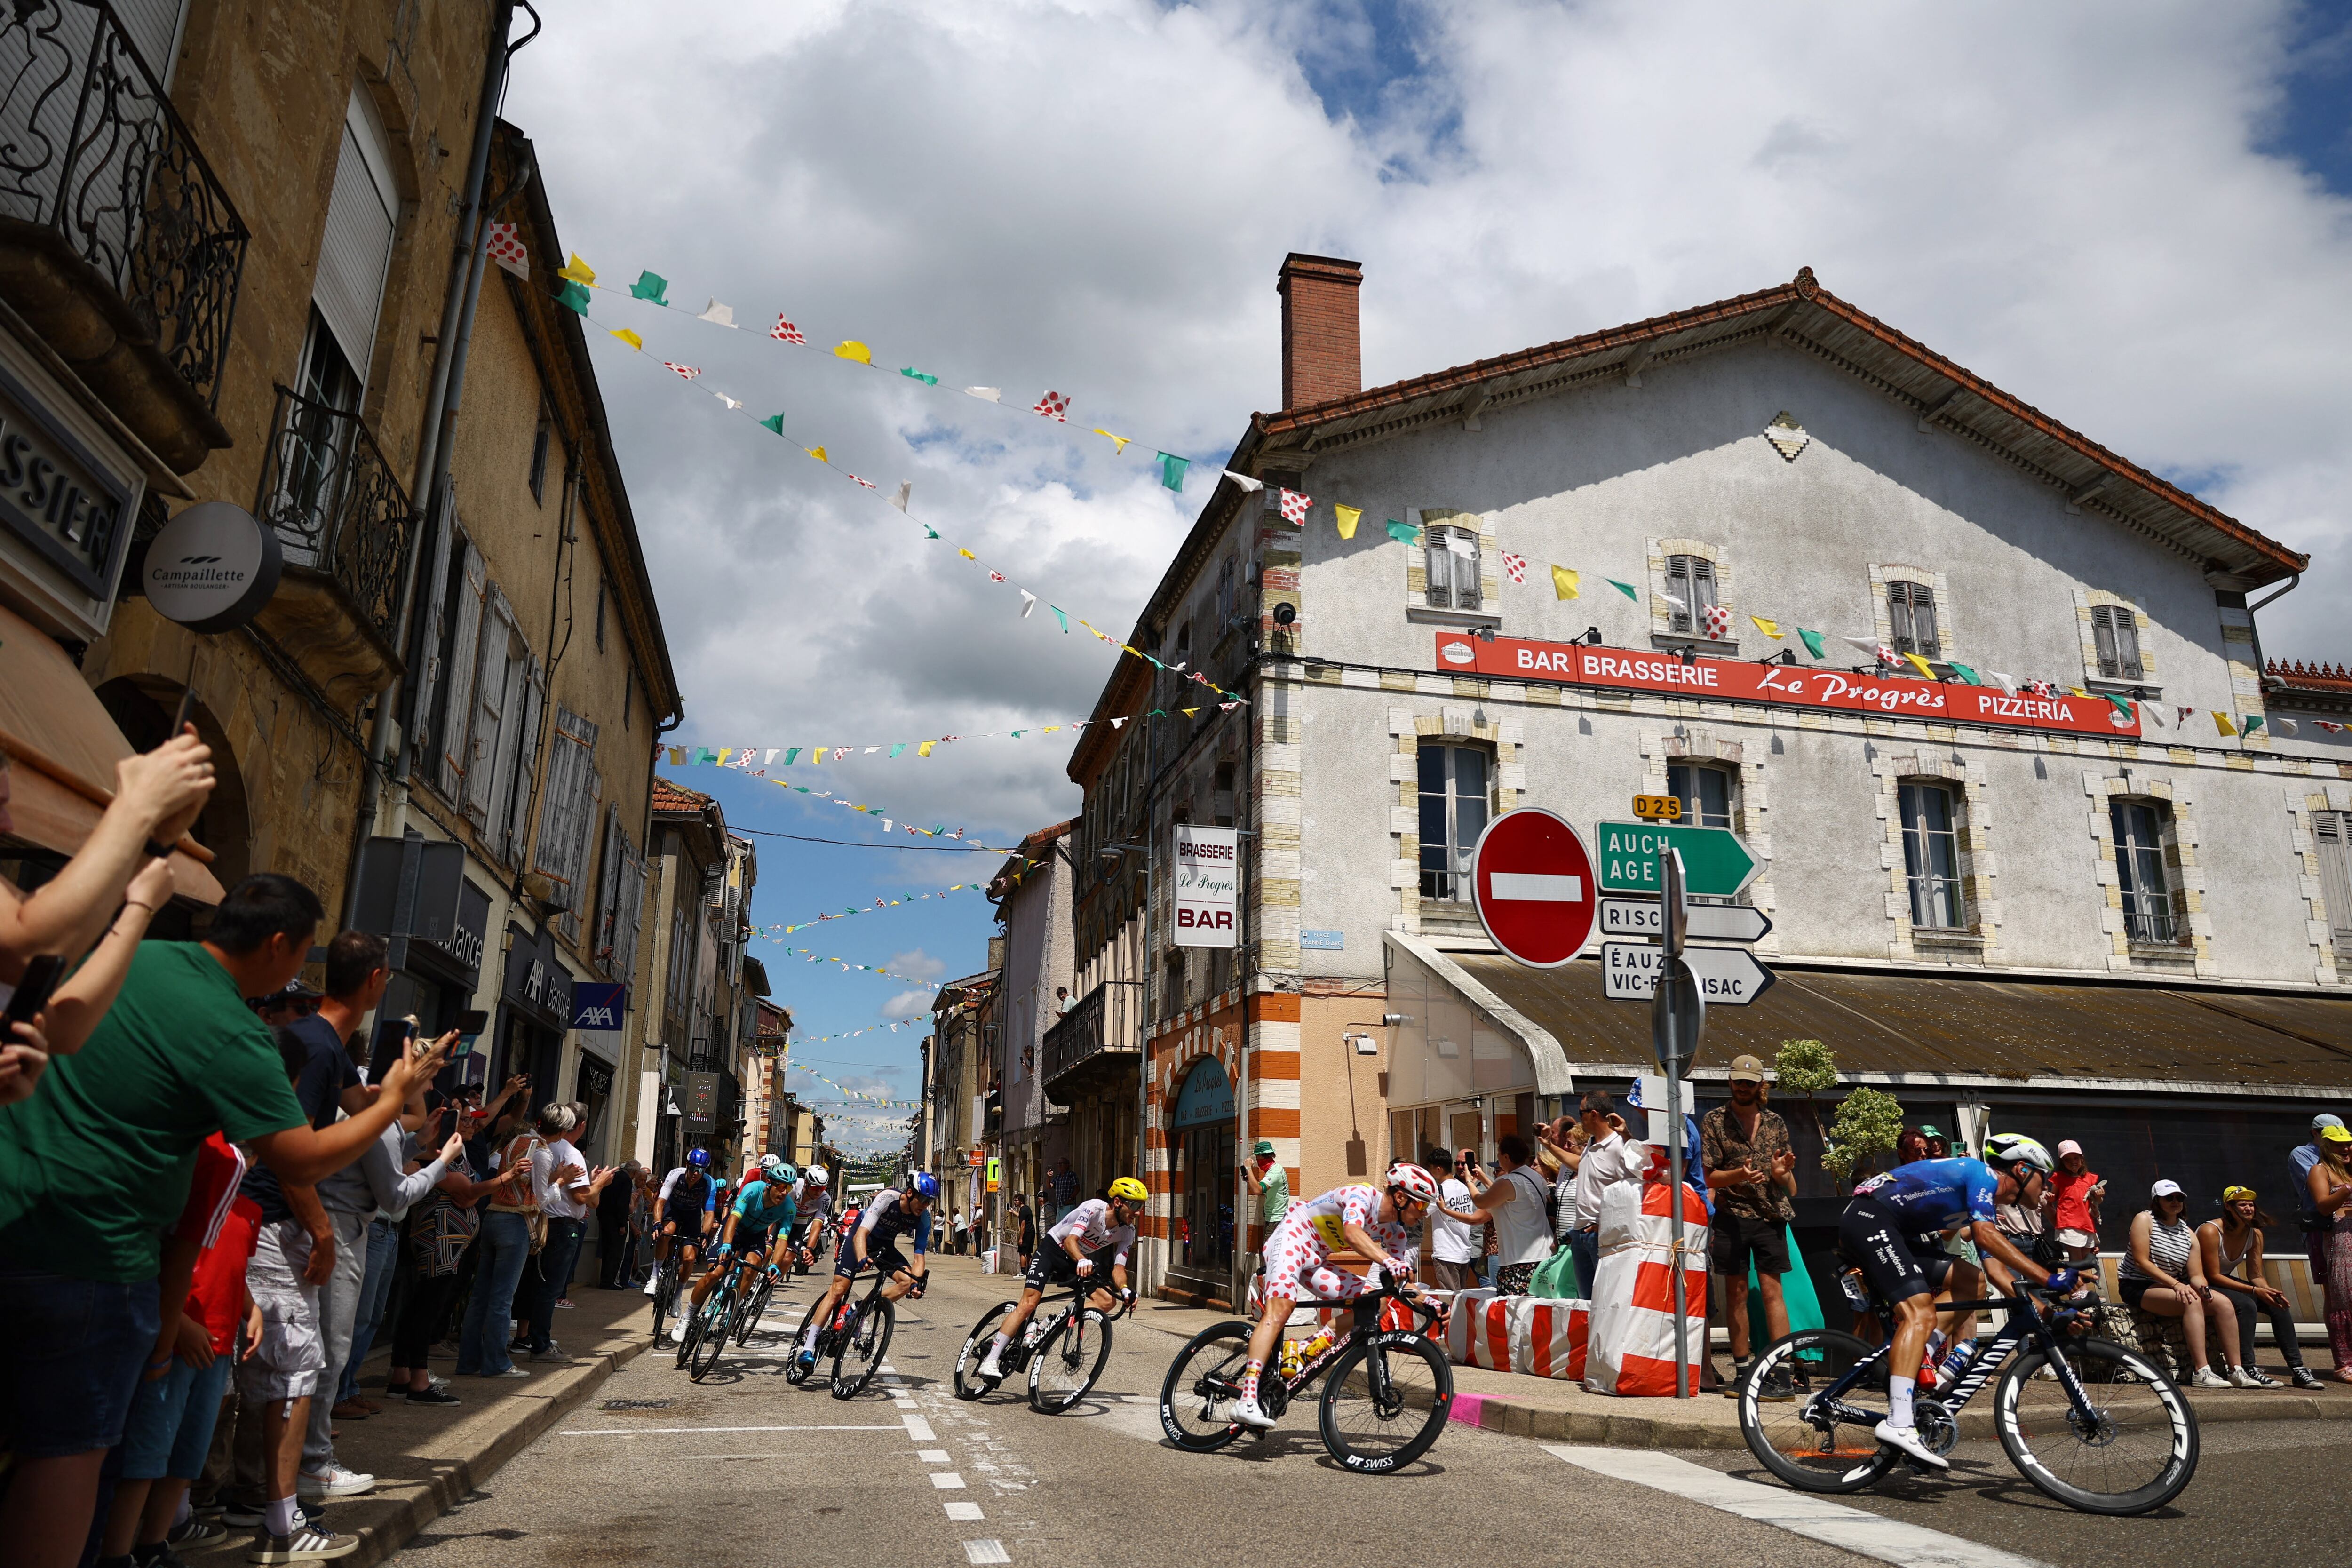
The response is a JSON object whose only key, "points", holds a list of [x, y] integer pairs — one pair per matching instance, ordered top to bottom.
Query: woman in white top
{"points": [[1515, 1202], [2161, 1274]]}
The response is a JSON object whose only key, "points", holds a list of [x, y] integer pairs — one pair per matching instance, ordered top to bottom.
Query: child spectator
{"points": [[2076, 1192]]}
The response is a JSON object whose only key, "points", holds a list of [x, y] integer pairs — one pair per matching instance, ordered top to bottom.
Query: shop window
{"points": [[1451, 554], [1691, 579], [1911, 614], [2115, 630], [1705, 792], [1455, 802], [2139, 828], [2332, 831], [1931, 855], [1201, 1132]]}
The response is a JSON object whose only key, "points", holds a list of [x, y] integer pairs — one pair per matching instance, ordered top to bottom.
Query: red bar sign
{"points": [[1740, 680]]}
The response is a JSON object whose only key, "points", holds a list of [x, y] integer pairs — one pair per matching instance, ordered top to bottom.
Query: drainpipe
{"points": [[465, 287], [2261, 669]]}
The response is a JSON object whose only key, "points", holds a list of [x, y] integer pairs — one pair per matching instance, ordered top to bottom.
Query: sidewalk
{"points": [[1554, 1411], [427, 1458]]}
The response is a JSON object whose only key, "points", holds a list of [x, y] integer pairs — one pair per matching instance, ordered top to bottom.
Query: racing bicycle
{"points": [[707, 1328], [857, 1338], [1064, 1349], [1386, 1392], [2095, 1425]]}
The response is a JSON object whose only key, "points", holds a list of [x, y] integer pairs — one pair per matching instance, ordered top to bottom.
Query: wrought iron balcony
{"points": [[118, 244], [346, 527], [1095, 1040]]}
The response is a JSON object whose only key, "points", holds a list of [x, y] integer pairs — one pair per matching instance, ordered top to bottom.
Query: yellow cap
{"points": [[2231, 1194]]}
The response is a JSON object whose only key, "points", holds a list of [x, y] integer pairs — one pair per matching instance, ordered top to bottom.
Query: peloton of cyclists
{"points": [[893, 1213], [759, 1224], [1096, 1234]]}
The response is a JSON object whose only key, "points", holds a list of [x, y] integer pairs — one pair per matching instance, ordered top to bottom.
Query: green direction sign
{"points": [[1716, 865]]}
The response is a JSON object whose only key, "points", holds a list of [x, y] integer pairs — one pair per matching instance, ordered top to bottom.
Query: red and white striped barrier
{"points": [[1533, 1335], [1631, 1348]]}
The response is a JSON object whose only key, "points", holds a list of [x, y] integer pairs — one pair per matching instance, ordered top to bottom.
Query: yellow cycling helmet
{"points": [[1131, 1190]]}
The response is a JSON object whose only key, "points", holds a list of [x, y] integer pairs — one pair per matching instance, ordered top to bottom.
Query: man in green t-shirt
{"points": [[95, 1167], [1268, 1183]]}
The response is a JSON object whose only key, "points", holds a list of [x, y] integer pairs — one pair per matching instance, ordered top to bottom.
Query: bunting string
{"points": [[815, 756], [879, 903], [859, 1096]]}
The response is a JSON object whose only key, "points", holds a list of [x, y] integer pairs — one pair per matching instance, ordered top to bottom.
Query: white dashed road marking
{"points": [[919, 1429], [932, 1456], [946, 1481], [963, 1512], [1816, 1518], [986, 1551]]}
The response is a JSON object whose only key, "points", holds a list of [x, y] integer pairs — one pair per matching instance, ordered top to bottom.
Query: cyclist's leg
{"points": [[1872, 1235], [1286, 1261], [896, 1264], [845, 1269]]}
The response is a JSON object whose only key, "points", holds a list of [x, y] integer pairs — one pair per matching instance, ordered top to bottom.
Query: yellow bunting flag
{"points": [[579, 272], [630, 337], [853, 349], [1118, 443], [818, 453], [1348, 517], [966, 555], [1563, 582], [1770, 628], [1924, 667], [2075, 690], [1188, 712], [2221, 722], [925, 749], [725, 752], [818, 754]]}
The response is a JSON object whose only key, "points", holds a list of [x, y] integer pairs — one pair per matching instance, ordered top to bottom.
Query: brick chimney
{"points": [[1322, 355]]}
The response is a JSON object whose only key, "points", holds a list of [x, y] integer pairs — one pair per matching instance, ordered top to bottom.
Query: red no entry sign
{"points": [[1532, 879]]}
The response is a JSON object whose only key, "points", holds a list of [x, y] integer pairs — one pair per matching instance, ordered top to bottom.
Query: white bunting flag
{"points": [[718, 315], [985, 393], [1250, 484], [906, 489], [1028, 602]]}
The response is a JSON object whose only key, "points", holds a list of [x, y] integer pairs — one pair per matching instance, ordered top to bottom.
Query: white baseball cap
{"points": [[2167, 1188]]}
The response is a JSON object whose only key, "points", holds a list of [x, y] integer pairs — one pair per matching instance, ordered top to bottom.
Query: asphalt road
{"points": [[743, 1469]]}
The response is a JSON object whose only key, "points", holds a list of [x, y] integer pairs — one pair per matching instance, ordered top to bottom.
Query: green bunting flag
{"points": [[651, 286], [572, 296], [911, 373], [774, 422], [1171, 470], [1403, 532], [929, 533], [1626, 588], [1062, 616], [1813, 644], [1966, 673], [2120, 706], [2246, 726], [791, 755]]}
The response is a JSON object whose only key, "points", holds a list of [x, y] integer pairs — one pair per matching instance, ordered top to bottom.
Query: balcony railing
{"points": [[92, 152], [336, 508], [1105, 1025]]}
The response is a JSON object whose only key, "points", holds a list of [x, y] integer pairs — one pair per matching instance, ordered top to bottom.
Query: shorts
{"points": [[688, 1231], [1734, 1238], [747, 1240], [2079, 1240], [887, 1257], [1898, 1263], [1050, 1266], [1297, 1269], [2133, 1290], [292, 1353], [71, 1354], [171, 1427]]}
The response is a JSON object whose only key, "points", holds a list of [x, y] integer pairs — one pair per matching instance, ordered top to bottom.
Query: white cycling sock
{"points": [[808, 1342], [996, 1346], [1898, 1400], [279, 1517]]}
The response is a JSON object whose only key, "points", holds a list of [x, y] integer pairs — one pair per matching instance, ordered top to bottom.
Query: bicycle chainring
{"points": [[1273, 1395], [1940, 1428]]}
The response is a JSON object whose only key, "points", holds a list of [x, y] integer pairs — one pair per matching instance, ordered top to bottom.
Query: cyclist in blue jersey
{"points": [[681, 1213], [893, 1213], [759, 1219], [1897, 1231]]}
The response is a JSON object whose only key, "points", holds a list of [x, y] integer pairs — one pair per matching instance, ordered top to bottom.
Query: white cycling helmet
{"points": [[2017, 1148], [816, 1177], [1413, 1181]]}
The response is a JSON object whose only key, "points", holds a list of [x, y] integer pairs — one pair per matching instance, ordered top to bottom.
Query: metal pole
{"points": [[1674, 1201]]}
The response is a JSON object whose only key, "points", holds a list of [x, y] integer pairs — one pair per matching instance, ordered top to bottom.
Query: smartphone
{"points": [[187, 707], [42, 974]]}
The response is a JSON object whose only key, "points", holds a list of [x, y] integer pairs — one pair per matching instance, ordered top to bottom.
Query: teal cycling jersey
{"points": [[753, 1209]]}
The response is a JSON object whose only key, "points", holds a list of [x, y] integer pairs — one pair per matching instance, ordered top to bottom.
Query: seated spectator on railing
{"points": [[93, 1171], [2230, 1249], [2162, 1275]]}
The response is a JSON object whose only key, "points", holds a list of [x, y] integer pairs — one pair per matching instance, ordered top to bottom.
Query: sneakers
{"points": [[563, 1306], [552, 1351], [510, 1371], [1739, 1376], [2208, 1378], [2240, 1378], [2257, 1378], [2306, 1378], [1779, 1387], [431, 1395], [1247, 1412], [1907, 1438], [333, 1481], [243, 1516], [196, 1528], [307, 1544]]}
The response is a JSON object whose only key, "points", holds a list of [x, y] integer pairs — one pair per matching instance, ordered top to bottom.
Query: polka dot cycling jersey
{"points": [[1090, 1223], [1318, 1224]]}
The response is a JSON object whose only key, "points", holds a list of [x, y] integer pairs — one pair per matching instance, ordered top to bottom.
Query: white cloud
{"points": [[1094, 196], [918, 964], [907, 1005]]}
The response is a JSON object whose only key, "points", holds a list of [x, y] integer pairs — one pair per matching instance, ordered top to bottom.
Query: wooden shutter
{"points": [[355, 252], [1691, 579], [1911, 615], [2115, 631], [432, 638], [465, 666], [530, 698], [488, 744], [571, 788], [2333, 831], [584, 835], [608, 872], [633, 907]]}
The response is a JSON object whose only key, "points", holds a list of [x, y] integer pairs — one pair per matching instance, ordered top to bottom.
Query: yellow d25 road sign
{"points": [[1658, 807]]}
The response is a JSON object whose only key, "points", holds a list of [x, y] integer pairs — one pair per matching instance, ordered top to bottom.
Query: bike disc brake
{"points": [[1940, 1428]]}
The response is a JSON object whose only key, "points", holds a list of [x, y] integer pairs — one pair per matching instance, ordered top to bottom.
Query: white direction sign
{"points": [[1707, 922], [1727, 976]]}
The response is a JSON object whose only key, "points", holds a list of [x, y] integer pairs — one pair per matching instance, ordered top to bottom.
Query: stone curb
{"points": [[389, 1517]]}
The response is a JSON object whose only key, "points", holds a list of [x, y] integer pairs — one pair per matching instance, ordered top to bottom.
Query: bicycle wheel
{"points": [[664, 1295], [754, 1310], [716, 1319], [689, 1331], [863, 1348], [1068, 1359], [794, 1372], [968, 1384], [1197, 1397], [1385, 1400], [1815, 1442], [2130, 1448]]}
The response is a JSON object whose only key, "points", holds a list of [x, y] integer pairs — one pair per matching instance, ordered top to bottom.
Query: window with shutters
{"points": [[355, 250], [1450, 554], [1691, 579], [469, 591], [1911, 612], [2114, 632], [429, 654], [490, 752], [1705, 792], [1455, 801], [569, 811], [510, 822], [2139, 828], [2332, 834], [1931, 855], [631, 915]]}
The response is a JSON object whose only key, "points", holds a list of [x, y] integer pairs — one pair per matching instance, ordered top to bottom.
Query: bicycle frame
{"points": [[1364, 1313], [2022, 1321]]}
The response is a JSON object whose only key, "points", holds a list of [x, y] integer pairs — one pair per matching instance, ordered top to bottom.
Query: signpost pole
{"points": [[1676, 921]]}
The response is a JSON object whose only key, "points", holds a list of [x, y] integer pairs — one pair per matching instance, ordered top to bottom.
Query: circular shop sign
{"points": [[212, 568]]}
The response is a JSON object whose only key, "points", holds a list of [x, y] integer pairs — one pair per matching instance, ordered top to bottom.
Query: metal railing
{"points": [[91, 148], [331, 496], [1107, 1018]]}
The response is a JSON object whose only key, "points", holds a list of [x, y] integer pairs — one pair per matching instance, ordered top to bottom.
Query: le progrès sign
{"points": [[1739, 681], [1208, 886]]}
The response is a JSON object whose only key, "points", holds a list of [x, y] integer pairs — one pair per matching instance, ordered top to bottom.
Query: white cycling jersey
{"points": [[678, 1172], [815, 1203], [1090, 1223]]}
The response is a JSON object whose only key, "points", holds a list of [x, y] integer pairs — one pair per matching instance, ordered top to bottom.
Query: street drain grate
{"points": [[635, 1405]]}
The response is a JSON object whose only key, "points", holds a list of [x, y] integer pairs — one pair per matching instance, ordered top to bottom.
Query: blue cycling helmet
{"points": [[698, 1158], [925, 1185]]}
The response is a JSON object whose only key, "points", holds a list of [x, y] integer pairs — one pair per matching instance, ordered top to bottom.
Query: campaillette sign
{"points": [[1741, 680]]}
